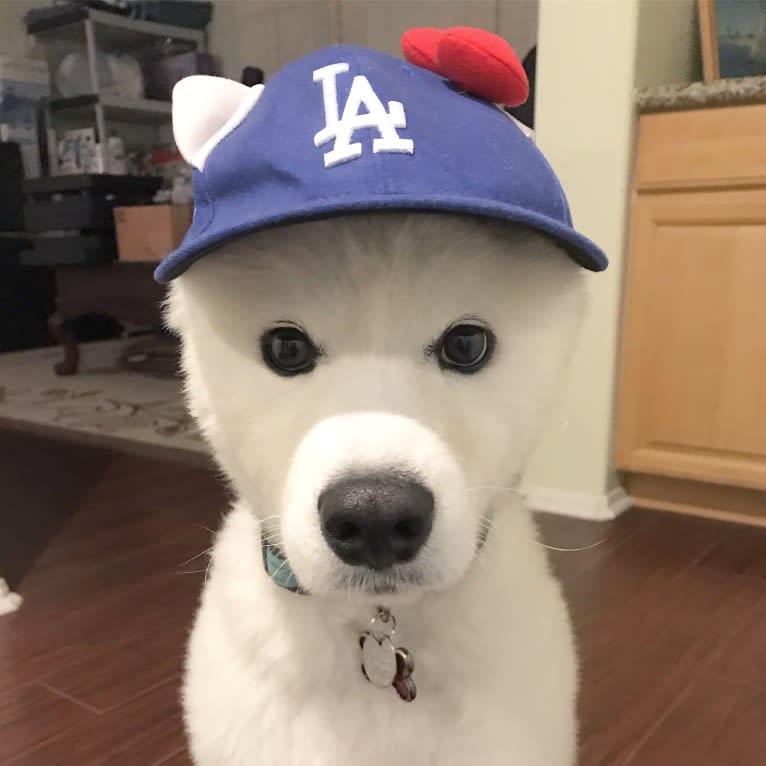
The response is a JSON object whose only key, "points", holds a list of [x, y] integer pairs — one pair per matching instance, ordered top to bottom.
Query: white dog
{"points": [[376, 299], [415, 355]]}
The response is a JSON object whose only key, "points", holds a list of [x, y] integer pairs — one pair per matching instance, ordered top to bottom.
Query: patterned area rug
{"points": [[101, 400]]}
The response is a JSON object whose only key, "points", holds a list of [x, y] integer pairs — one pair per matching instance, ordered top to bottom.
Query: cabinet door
{"points": [[693, 391]]}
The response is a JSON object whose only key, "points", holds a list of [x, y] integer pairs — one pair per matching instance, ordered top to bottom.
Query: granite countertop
{"points": [[701, 95]]}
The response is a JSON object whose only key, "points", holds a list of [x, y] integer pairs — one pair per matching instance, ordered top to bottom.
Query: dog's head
{"points": [[371, 383]]}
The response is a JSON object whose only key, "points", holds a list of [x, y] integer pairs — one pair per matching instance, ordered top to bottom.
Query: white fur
{"points": [[274, 677]]}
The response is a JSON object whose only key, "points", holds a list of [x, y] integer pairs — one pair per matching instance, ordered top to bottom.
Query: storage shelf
{"points": [[73, 29], [113, 32], [142, 110], [95, 184]]}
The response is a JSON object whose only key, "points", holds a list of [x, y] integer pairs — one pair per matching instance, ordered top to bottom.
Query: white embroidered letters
{"points": [[341, 128]]}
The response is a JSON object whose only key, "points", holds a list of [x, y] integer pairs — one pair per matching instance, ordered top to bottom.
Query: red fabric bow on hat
{"points": [[480, 62]]}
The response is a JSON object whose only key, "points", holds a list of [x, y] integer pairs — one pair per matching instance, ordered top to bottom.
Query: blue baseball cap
{"points": [[350, 129]]}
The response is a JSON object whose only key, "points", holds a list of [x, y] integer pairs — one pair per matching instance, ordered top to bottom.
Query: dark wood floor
{"points": [[670, 612]]}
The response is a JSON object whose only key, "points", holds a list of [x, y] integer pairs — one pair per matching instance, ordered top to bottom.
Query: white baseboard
{"points": [[581, 505], [9, 602]]}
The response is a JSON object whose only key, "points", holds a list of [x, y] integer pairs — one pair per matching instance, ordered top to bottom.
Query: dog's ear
{"points": [[205, 110]]}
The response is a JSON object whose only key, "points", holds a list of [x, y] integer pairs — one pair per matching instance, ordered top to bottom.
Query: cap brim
{"points": [[581, 249]]}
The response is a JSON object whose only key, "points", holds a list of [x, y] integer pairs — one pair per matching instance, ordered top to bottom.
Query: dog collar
{"points": [[278, 568]]}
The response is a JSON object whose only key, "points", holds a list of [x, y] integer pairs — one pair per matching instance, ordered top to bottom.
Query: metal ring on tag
{"points": [[389, 623]]}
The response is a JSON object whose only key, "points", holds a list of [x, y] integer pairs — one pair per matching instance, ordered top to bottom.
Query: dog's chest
{"points": [[273, 677], [320, 711], [323, 728]]}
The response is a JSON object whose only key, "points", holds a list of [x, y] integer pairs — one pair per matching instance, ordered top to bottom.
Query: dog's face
{"points": [[371, 383]]}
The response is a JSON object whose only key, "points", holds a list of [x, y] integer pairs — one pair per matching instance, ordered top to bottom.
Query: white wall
{"points": [[379, 23], [269, 33], [13, 36], [668, 47], [592, 53], [585, 130]]}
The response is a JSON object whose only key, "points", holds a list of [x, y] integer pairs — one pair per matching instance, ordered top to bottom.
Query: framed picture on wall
{"points": [[733, 38]]}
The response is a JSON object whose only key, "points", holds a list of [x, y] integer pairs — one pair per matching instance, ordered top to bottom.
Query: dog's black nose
{"points": [[378, 520]]}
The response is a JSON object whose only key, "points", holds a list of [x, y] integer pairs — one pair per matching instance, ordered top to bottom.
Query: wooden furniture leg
{"points": [[126, 292], [63, 334]]}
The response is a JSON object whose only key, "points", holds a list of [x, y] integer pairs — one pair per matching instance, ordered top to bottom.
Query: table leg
{"points": [[63, 334]]}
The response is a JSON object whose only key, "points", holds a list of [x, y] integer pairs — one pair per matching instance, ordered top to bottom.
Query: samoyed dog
{"points": [[371, 343], [371, 386]]}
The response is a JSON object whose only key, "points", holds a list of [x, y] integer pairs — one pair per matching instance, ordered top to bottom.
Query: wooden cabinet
{"points": [[692, 418]]}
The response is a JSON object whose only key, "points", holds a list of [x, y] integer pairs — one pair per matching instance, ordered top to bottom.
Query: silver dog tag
{"points": [[378, 652], [379, 661], [383, 664]]}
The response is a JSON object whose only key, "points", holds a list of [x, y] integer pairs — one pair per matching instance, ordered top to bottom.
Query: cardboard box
{"points": [[150, 232]]}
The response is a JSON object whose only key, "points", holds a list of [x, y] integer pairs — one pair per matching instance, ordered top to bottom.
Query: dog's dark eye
{"points": [[465, 348], [288, 350]]}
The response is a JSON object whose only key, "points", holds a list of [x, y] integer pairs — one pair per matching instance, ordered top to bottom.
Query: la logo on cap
{"points": [[341, 128]]}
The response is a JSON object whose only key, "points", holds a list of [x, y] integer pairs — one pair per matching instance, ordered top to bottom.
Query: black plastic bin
{"points": [[83, 202]]}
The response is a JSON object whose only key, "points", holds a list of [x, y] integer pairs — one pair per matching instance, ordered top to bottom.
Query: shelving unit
{"points": [[62, 29], [118, 32], [142, 110]]}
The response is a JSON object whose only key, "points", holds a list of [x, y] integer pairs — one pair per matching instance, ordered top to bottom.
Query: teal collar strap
{"points": [[278, 568]]}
